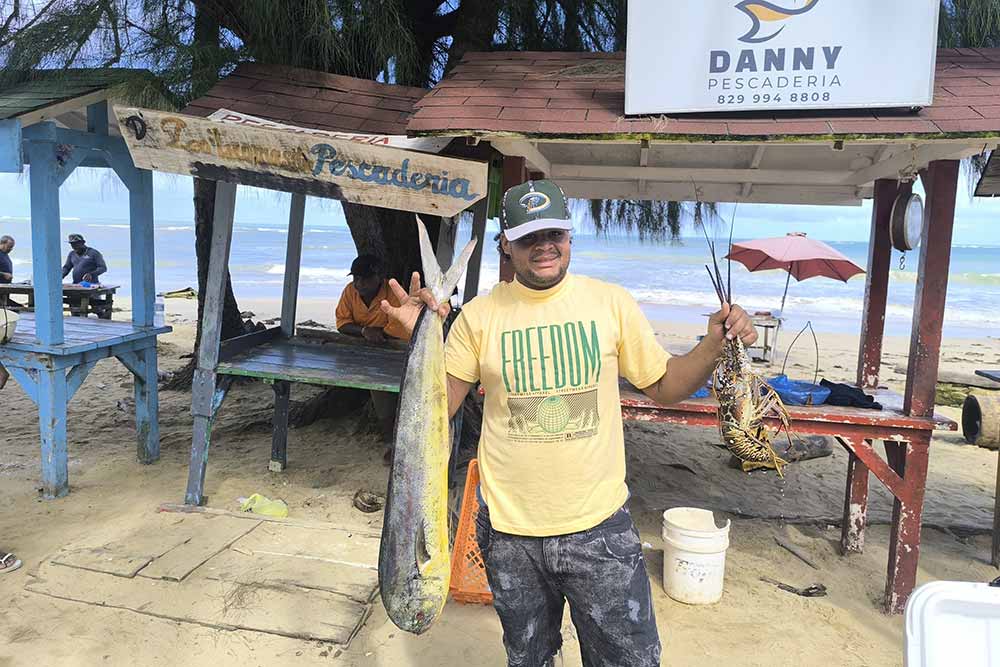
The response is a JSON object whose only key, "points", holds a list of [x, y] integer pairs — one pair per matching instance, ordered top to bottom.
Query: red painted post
{"points": [[514, 173], [941, 183], [877, 284], [909, 460], [852, 530]]}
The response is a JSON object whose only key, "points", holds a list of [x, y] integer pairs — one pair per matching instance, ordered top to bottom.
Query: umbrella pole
{"points": [[787, 280]]}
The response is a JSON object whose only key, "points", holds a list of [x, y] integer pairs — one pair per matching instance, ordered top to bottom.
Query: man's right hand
{"points": [[410, 304]]}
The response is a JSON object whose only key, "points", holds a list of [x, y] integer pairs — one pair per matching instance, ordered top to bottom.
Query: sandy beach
{"points": [[754, 624]]}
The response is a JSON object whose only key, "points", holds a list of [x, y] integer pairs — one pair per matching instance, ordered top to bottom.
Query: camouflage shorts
{"points": [[601, 572]]}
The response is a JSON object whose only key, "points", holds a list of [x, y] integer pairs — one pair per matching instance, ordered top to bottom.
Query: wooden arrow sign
{"points": [[292, 161]]}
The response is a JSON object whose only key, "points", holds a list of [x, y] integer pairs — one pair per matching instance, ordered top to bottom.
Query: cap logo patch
{"points": [[535, 202]]}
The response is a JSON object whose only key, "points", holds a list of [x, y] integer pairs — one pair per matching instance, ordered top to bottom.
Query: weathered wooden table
{"points": [[80, 300], [332, 360], [51, 373], [903, 472]]}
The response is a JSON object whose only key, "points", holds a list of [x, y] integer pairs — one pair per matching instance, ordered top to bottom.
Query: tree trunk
{"points": [[391, 236]]}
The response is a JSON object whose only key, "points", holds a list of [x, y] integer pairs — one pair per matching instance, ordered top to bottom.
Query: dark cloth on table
{"points": [[91, 261], [6, 266], [848, 396]]}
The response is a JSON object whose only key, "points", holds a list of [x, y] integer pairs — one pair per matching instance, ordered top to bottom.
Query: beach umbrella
{"points": [[797, 254]]}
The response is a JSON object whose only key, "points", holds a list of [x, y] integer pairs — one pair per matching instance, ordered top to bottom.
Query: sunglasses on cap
{"points": [[555, 236]]}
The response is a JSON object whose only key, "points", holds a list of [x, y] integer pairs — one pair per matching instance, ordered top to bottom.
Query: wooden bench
{"points": [[80, 301], [903, 472]]}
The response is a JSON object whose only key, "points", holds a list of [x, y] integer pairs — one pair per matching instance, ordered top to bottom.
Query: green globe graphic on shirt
{"points": [[553, 414]]}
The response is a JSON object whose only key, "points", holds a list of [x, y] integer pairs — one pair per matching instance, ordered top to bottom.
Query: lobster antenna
{"points": [[711, 246], [729, 254], [718, 290]]}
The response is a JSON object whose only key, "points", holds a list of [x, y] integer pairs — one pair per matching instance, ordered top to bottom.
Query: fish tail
{"points": [[441, 284]]}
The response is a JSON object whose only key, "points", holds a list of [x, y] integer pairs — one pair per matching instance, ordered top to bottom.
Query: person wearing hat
{"points": [[87, 264], [358, 311], [359, 314], [548, 349]]}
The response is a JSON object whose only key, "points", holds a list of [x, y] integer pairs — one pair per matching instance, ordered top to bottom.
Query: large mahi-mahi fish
{"points": [[414, 567]]}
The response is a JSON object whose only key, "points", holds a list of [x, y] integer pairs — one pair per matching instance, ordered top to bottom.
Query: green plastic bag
{"points": [[264, 506]]}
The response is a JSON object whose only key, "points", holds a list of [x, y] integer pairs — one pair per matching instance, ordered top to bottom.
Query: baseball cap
{"points": [[532, 207], [74, 238], [365, 265]]}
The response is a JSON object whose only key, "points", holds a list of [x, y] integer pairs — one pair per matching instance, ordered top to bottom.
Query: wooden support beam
{"points": [[97, 118], [525, 150], [11, 159], [908, 162], [513, 174], [700, 175], [834, 195], [479, 213], [45, 232], [142, 255], [293, 263], [876, 285], [932, 287], [75, 377], [28, 379], [203, 392], [52, 401], [147, 407], [279, 427], [852, 529]]}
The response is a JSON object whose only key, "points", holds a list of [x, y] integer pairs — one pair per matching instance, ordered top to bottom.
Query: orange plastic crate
{"points": [[468, 572]]}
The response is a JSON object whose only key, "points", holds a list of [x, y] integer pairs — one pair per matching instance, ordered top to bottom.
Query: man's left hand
{"points": [[87, 278], [730, 322]]}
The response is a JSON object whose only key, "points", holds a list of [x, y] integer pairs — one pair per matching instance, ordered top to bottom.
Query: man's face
{"points": [[7, 246], [78, 246], [540, 259], [368, 286]]}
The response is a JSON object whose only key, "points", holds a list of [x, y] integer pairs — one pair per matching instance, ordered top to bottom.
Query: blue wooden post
{"points": [[140, 201], [45, 245], [143, 294], [52, 401], [147, 405]]}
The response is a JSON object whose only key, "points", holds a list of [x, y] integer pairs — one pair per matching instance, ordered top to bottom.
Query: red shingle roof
{"points": [[572, 94], [311, 99]]}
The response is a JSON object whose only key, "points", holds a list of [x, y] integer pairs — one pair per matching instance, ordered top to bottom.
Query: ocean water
{"points": [[669, 281]]}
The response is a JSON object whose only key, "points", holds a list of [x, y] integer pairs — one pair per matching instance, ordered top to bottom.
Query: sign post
{"points": [[724, 55], [291, 161]]}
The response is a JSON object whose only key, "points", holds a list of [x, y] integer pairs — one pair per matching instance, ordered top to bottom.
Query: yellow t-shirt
{"points": [[351, 309], [552, 449]]}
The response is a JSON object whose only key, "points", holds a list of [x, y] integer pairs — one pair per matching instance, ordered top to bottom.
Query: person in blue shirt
{"points": [[85, 263], [6, 265]]}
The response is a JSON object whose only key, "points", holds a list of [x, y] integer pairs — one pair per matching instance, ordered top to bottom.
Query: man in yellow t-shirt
{"points": [[359, 314], [548, 349]]}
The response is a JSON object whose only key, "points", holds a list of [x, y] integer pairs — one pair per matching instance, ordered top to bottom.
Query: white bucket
{"points": [[8, 325], [694, 555]]}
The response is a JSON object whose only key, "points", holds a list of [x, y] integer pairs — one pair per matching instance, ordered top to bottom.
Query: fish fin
{"points": [[428, 258], [454, 274], [441, 285]]}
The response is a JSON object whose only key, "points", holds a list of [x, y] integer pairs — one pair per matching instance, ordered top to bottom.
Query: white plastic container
{"points": [[159, 318], [8, 324], [694, 555], [953, 623]]}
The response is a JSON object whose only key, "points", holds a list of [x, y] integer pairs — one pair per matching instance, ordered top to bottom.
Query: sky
{"points": [[96, 194]]}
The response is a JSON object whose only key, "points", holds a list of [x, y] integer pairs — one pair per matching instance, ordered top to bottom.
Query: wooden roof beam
{"points": [[525, 149], [906, 163], [699, 175]]}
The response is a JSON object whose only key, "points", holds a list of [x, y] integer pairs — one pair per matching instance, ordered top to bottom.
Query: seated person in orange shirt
{"points": [[359, 314]]}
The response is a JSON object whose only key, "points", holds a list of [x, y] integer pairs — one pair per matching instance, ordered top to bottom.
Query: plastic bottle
{"points": [[159, 318]]}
